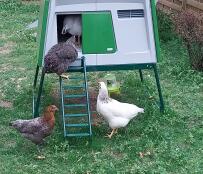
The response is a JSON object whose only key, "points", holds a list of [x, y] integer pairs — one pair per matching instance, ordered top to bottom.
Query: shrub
{"points": [[166, 26], [189, 27]]}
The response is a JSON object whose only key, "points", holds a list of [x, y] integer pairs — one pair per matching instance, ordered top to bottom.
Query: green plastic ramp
{"points": [[75, 103]]}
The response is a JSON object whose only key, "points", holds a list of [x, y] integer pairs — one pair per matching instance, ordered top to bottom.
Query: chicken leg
{"points": [[116, 131], [111, 134]]}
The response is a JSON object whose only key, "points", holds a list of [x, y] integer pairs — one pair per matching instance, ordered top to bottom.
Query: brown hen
{"points": [[37, 129]]}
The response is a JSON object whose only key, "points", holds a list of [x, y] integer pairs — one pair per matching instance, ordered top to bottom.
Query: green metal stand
{"points": [[140, 67], [83, 70], [141, 75], [36, 76], [158, 88], [33, 90], [161, 101], [36, 103]]}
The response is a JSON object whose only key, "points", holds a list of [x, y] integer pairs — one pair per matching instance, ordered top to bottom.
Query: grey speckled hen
{"points": [[60, 56]]}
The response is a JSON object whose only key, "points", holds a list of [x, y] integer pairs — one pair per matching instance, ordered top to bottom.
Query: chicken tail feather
{"points": [[141, 110]]}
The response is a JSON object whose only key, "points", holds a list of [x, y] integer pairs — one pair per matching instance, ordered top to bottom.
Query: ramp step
{"points": [[75, 69], [76, 78], [73, 87], [75, 96], [75, 105], [75, 115], [77, 125], [78, 135]]}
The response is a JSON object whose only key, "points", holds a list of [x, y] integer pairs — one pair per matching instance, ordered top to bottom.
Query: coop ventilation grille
{"points": [[138, 13]]}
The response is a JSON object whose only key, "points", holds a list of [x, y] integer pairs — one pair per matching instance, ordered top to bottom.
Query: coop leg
{"points": [[141, 75], [36, 76], [159, 88], [33, 92], [62, 105], [36, 111]]}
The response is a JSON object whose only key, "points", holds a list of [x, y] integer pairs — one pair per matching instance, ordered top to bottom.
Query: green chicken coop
{"points": [[114, 35]]}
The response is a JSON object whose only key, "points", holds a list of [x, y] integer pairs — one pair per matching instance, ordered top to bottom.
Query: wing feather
{"points": [[118, 109], [28, 126]]}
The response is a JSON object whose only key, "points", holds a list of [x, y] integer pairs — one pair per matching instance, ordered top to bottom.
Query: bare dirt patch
{"points": [[2, 36], [7, 48], [5, 67], [21, 69], [18, 81], [5, 104], [97, 120], [10, 144]]}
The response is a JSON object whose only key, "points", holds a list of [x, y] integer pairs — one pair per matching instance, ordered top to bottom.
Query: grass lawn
{"points": [[174, 139]]}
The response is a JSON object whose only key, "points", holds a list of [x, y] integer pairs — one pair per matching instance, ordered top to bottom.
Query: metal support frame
{"points": [[140, 67], [156, 74], [141, 75], [36, 76], [33, 90], [87, 95], [161, 101], [37, 103], [62, 103], [161, 104]]}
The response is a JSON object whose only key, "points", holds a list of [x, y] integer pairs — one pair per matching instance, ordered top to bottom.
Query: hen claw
{"points": [[64, 76], [114, 131], [108, 136], [40, 157]]}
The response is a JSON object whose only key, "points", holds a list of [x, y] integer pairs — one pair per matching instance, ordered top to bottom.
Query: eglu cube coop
{"points": [[115, 35]]}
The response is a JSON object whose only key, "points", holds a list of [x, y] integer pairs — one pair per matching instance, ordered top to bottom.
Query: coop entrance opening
{"points": [[69, 25]]}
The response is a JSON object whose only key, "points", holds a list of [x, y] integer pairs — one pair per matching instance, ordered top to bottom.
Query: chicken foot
{"points": [[64, 76], [114, 131], [40, 156]]}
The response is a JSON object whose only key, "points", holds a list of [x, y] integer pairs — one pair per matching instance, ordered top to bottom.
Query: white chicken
{"points": [[72, 24], [117, 114]]}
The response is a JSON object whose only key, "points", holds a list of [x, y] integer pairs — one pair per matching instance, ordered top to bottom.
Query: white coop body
{"points": [[134, 35]]}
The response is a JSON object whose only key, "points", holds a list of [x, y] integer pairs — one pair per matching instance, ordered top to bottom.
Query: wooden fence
{"points": [[177, 5], [196, 5]]}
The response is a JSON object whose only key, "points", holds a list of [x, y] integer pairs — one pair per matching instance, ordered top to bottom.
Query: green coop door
{"points": [[98, 33]]}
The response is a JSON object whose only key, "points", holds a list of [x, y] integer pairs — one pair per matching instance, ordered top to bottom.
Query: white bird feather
{"points": [[72, 24], [117, 114]]}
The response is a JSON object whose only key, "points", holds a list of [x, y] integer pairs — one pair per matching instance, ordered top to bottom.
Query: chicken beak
{"points": [[54, 108]]}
